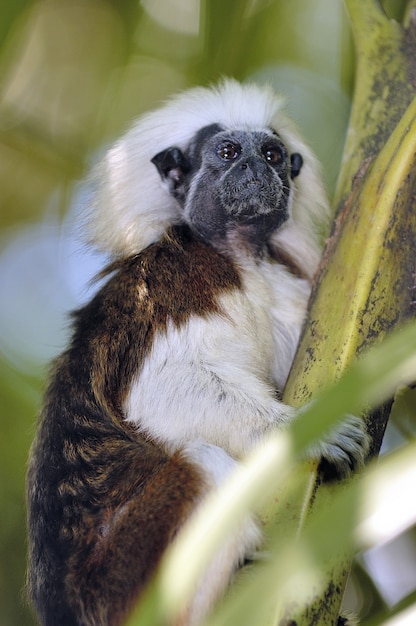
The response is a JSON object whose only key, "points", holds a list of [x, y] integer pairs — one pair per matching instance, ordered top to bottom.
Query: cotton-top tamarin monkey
{"points": [[212, 207]]}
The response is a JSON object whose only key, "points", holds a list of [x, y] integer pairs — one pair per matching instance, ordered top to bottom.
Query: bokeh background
{"points": [[73, 74]]}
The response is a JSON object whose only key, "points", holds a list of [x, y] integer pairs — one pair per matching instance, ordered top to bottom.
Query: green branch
{"points": [[368, 22], [384, 85], [366, 281]]}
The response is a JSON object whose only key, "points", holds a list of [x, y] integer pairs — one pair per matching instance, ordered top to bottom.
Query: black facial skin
{"points": [[231, 183]]}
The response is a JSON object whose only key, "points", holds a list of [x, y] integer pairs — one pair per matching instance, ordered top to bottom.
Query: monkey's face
{"points": [[231, 181]]}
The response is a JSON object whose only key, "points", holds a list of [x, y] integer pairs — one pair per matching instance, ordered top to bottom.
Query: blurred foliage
{"points": [[72, 76]]}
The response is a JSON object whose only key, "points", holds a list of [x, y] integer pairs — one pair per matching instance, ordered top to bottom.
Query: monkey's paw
{"points": [[343, 450], [347, 619]]}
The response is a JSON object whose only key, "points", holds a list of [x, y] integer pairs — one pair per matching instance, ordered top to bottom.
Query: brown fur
{"points": [[104, 502]]}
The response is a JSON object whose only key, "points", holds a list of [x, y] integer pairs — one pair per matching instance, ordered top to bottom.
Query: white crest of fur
{"points": [[130, 207]]}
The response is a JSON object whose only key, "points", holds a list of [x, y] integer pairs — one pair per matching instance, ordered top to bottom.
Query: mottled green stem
{"points": [[367, 279]]}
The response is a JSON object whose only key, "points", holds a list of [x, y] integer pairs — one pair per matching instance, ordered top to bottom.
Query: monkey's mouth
{"points": [[252, 198]]}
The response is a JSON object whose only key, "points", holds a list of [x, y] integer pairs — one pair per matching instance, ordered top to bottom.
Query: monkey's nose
{"points": [[255, 166]]}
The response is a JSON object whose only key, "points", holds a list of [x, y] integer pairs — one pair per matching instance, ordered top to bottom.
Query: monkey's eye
{"points": [[228, 151], [272, 154]]}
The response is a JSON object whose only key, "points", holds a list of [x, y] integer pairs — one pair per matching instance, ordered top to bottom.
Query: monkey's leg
{"points": [[117, 548]]}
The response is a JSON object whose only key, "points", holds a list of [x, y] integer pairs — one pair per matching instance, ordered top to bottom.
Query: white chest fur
{"points": [[215, 378]]}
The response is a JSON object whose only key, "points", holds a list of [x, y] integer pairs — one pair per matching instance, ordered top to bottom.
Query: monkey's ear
{"points": [[296, 162], [172, 166]]}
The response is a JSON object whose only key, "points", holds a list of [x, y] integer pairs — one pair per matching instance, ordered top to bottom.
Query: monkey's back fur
{"points": [[89, 473]]}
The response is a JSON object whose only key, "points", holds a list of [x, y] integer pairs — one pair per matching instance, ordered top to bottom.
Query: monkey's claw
{"points": [[344, 449]]}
